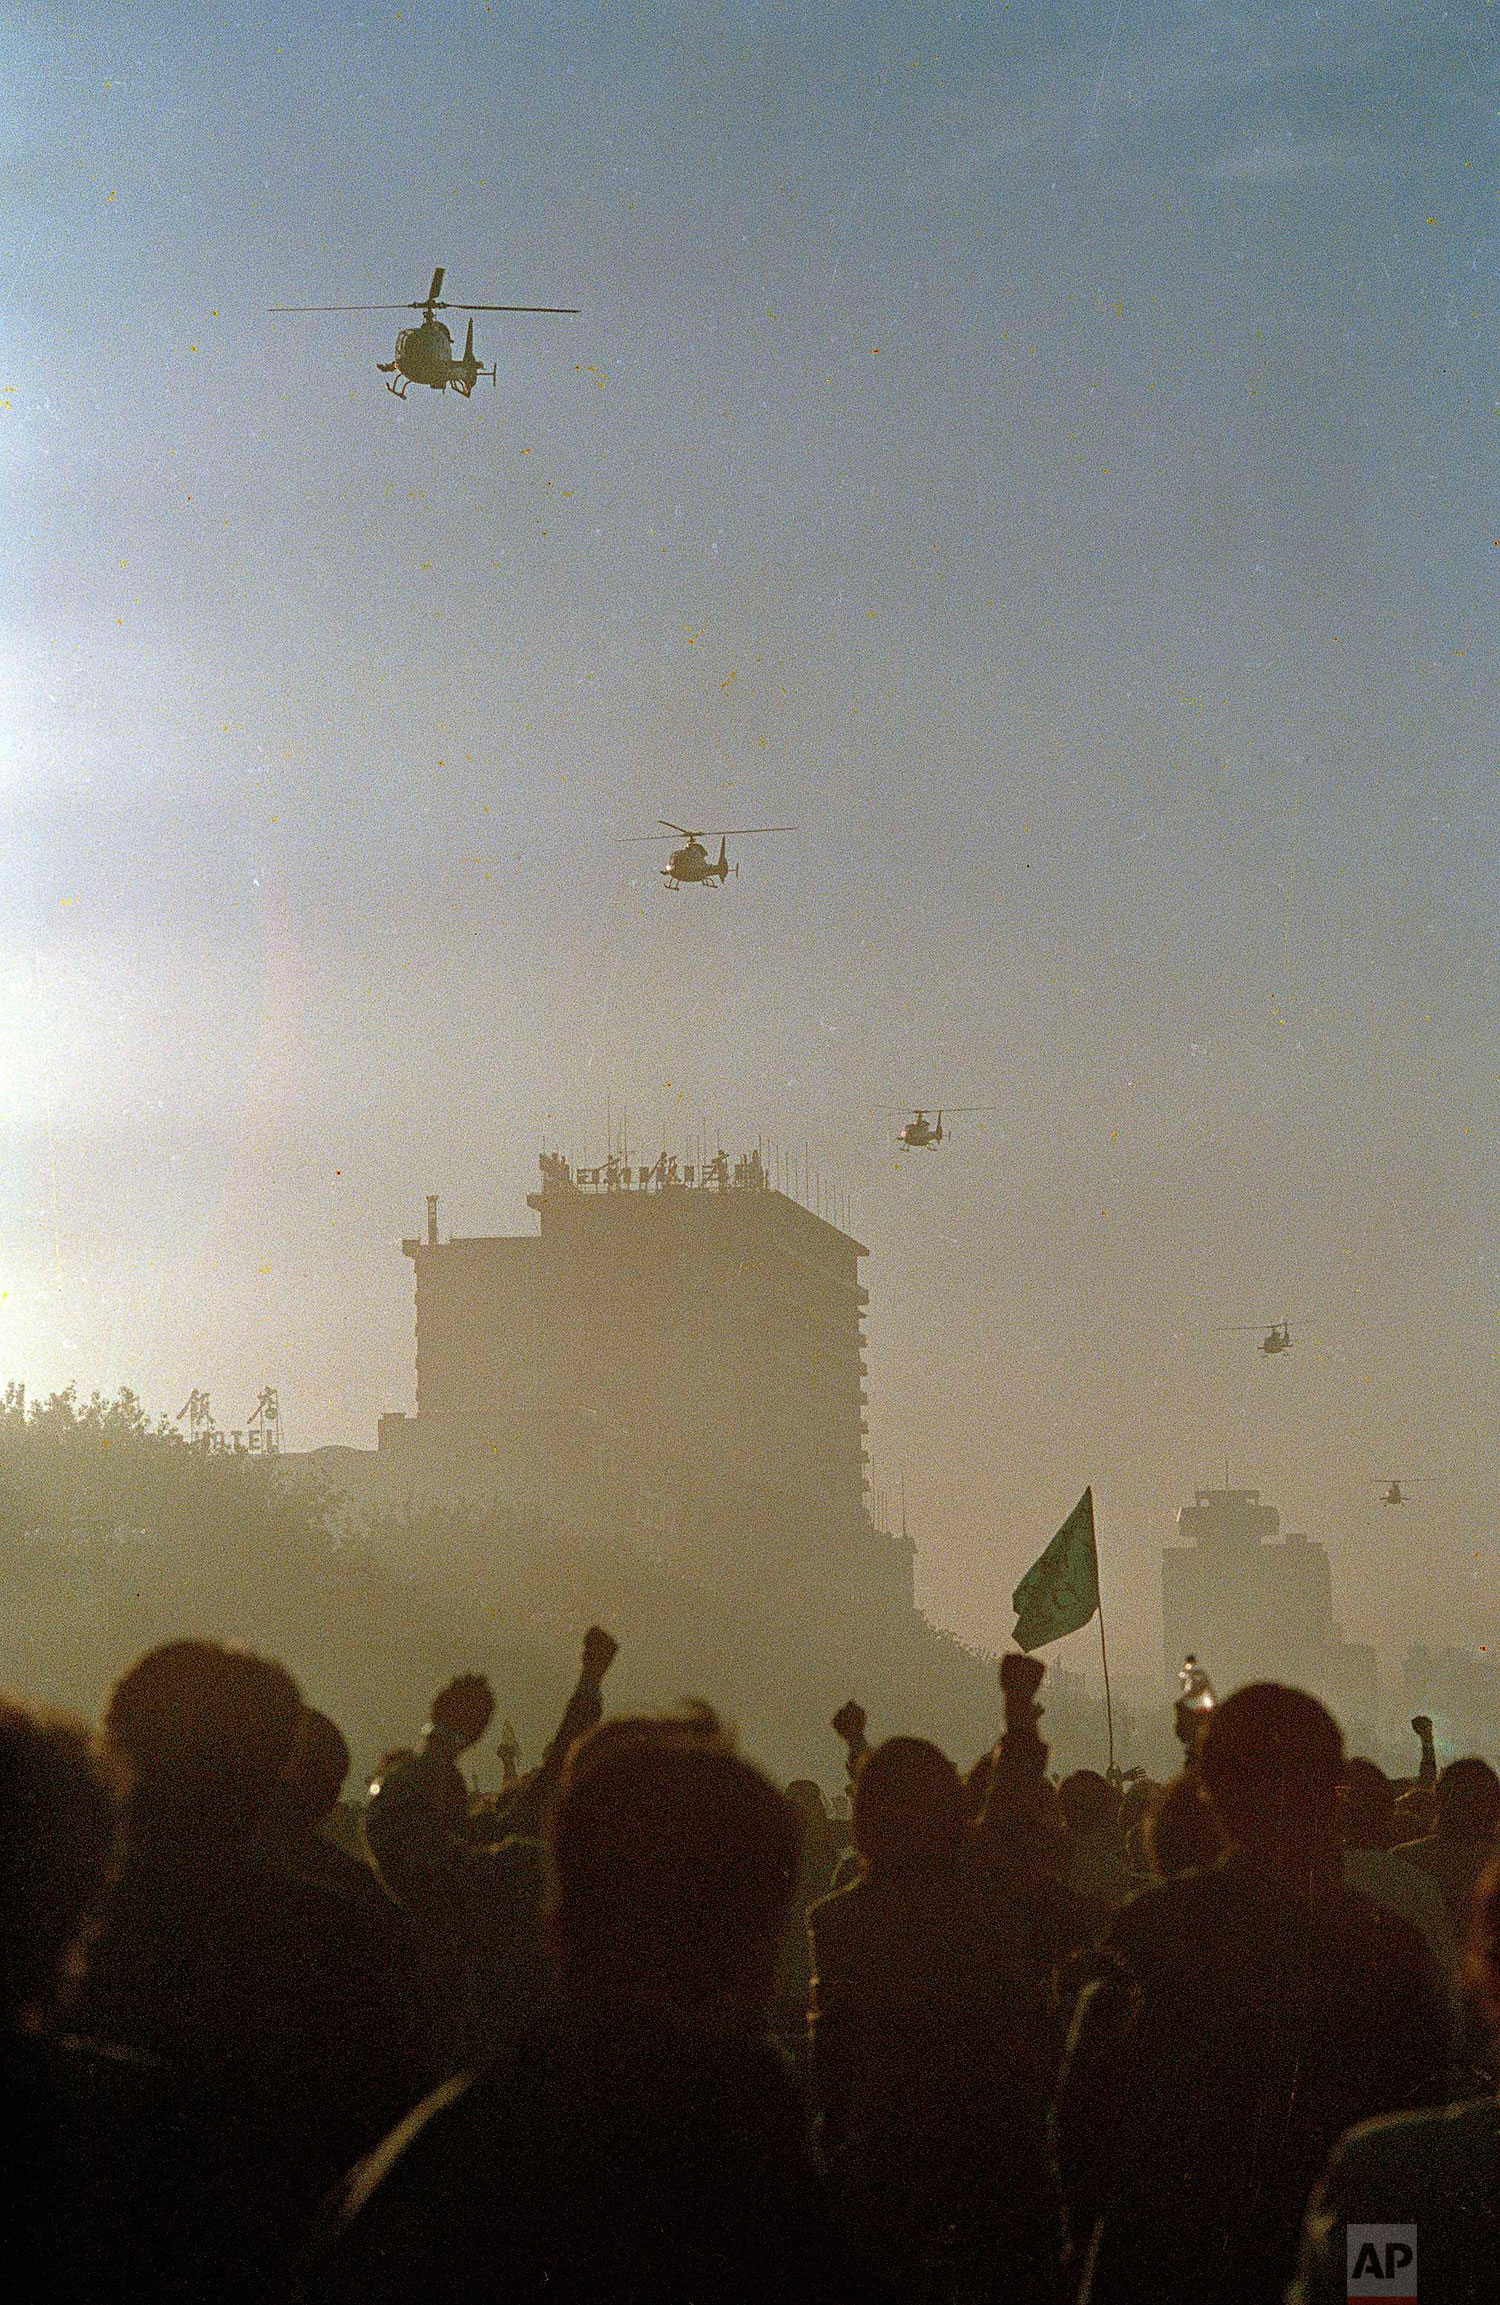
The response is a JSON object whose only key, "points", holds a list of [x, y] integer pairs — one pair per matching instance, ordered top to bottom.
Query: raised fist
{"points": [[600, 1650], [1020, 1675], [849, 1723], [1422, 1726]]}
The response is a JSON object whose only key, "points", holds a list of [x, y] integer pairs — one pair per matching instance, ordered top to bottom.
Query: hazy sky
{"points": [[1047, 452]]}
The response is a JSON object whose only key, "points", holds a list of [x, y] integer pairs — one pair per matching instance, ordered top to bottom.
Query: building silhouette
{"points": [[676, 1353], [1253, 1605]]}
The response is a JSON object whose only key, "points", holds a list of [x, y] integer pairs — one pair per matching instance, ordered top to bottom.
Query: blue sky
{"points": [[1047, 453]]}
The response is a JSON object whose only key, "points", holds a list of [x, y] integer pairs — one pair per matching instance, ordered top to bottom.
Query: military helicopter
{"points": [[424, 355], [691, 865], [922, 1135], [1275, 1339], [1391, 1491]]}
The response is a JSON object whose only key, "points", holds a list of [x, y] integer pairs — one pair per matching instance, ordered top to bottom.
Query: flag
{"points": [[1060, 1591]]}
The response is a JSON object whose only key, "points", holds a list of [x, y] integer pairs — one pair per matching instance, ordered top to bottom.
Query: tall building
{"points": [[680, 1353], [1252, 1605]]}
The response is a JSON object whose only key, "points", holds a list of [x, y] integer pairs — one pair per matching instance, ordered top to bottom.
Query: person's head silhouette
{"points": [[465, 1708], [204, 1733], [1272, 1762], [807, 1799], [1088, 1802], [909, 1806], [1467, 1806], [57, 1823], [673, 1865]]}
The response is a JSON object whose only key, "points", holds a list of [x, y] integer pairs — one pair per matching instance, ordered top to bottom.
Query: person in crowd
{"points": [[850, 1724], [1427, 1768], [305, 1797], [1416, 1797], [1136, 1799], [417, 1820], [57, 1830], [1179, 1834], [825, 1836], [824, 1842], [1458, 1849], [1019, 1855], [1453, 1857], [1372, 1866], [1097, 1871], [472, 1880], [1032, 1944], [276, 2003], [934, 2011], [1246, 2016], [891, 2046], [76, 2121], [654, 2147], [1435, 2174]]}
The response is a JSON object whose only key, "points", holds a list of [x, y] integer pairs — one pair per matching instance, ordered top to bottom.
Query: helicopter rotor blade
{"points": [[436, 290], [429, 304], [571, 311], [671, 827], [742, 831]]}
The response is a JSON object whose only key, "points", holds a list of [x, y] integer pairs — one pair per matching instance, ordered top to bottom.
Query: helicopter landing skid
{"points": [[387, 369]]}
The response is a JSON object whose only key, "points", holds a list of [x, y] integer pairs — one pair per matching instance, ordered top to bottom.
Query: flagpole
{"points": [[1109, 1710]]}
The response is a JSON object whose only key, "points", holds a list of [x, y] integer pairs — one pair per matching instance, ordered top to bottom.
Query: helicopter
{"points": [[424, 354], [691, 865], [922, 1135], [1275, 1339], [1391, 1491]]}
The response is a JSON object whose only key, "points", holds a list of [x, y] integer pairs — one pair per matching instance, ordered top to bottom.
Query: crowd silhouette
{"points": [[643, 2027]]}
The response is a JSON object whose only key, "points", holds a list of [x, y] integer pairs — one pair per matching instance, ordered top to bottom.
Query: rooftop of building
{"points": [[670, 1180], [1232, 1516]]}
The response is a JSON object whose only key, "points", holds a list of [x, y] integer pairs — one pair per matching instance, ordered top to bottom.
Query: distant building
{"points": [[676, 1354], [1254, 1606], [1459, 1689]]}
